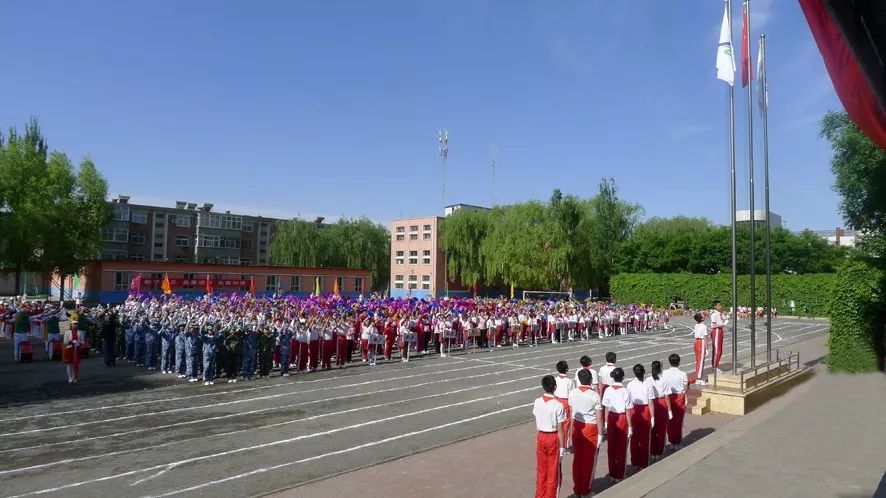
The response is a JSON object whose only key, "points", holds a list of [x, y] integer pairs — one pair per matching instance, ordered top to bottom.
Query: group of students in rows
{"points": [[575, 414]]}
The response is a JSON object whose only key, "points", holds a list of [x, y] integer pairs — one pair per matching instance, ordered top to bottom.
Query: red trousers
{"points": [[499, 334], [389, 346], [716, 346], [328, 348], [302, 349], [364, 349], [293, 350], [341, 350], [701, 351], [314, 354], [276, 356], [568, 410], [640, 422], [675, 425], [660, 429], [617, 436], [584, 451], [547, 465]]}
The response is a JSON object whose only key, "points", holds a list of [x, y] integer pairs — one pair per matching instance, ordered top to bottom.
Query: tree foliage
{"points": [[859, 168], [52, 214], [348, 243], [555, 245], [857, 315]]}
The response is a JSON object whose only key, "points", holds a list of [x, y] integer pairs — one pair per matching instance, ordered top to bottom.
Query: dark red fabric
{"points": [[746, 68], [849, 80]]}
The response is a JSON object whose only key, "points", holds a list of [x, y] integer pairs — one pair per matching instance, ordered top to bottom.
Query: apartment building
{"points": [[185, 233]]}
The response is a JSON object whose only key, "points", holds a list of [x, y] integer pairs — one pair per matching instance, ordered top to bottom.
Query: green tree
{"points": [[859, 168], [608, 226], [461, 236], [296, 243]]}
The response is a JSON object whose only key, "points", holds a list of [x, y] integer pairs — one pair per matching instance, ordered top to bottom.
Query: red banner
{"points": [[196, 282]]}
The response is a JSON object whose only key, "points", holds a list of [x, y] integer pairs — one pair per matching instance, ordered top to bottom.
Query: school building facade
{"points": [[110, 281]]}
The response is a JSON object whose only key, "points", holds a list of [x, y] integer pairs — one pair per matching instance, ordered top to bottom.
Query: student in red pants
{"points": [[719, 320], [390, 331], [314, 332], [700, 332], [302, 337], [341, 344], [327, 347], [676, 383], [641, 395], [661, 412], [618, 425], [587, 433], [550, 443]]}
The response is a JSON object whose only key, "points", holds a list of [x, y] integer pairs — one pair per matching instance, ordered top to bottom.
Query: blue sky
{"points": [[303, 108]]}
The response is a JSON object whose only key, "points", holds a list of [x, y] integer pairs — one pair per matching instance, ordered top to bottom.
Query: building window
{"points": [[121, 212], [159, 216], [140, 217], [182, 220], [231, 222], [247, 226], [413, 228], [426, 228], [401, 229], [115, 235], [159, 236], [413, 236], [426, 236], [401, 237], [136, 238], [208, 240], [182, 241], [229, 243], [262, 243], [158, 244], [246, 244], [114, 254], [137, 257], [158, 257], [413, 257], [426, 257], [399, 258], [181, 259], [229, 260], [208, 261], [262, 261], [246, 262], [122, 279], [188, 281], [398, 281], [413, 282], [426, 282], [271, 283], [295, 283], [358, 284]]}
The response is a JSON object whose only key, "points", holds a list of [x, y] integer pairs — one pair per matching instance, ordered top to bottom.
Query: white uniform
{"points": [[605, 374], [594, 378], [674, 380], [565, 385], [640, 392], [584, 404], [548, 414]]}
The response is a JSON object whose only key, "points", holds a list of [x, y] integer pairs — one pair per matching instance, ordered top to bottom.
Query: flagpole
{"points": [[747, 67], [731, 89], [765, 117]]}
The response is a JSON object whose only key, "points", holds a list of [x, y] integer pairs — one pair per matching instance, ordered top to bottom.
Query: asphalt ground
{"points": [[248, 439]]}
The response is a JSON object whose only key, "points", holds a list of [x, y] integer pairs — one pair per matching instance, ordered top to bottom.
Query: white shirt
{"points": [[718, 319], [700, 331], [605, 371], [594, 379], [674, 380], [565, 385], [659, 387], [639, 392], [616, 398], [585, 402], [549, 413]]}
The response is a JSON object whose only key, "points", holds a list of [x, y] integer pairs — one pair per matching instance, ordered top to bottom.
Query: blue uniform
{"points": [[152, 334], [284, 338], [129, 339], [139, 339], [191, 339], [167, 346], [210, 348], [249, 348], [180, 357]]}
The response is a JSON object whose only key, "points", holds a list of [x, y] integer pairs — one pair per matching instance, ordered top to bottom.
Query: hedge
{"points": [[810, 292], [857, 312]]}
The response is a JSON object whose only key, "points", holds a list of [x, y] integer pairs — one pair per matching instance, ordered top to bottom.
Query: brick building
{"points": [[186, 233], [109, 281]]}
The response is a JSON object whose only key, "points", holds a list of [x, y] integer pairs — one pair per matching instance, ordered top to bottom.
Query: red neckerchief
{"points": [[616, 386], [584, 388], [548, 397]]}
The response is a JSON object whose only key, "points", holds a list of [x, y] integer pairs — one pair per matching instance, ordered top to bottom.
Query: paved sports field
{"points": [[251, 438]]}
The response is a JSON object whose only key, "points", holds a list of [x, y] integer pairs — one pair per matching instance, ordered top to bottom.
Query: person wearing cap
{"points": [[141, 331], [152, 333], [192, 337], [284, 340], [167, 344], [210, 345], [248, 349], [265, 350], [181, 356], [616, 403], [587, 432], [550, 441]]}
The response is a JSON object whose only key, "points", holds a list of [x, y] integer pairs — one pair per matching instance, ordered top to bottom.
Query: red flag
{"points": [[747, 70], [252, 285], [135, 286], [166, 286], [209, 288]]}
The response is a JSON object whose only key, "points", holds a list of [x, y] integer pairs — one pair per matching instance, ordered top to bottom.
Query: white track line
{"points": [[346, 450], [179, 463]]}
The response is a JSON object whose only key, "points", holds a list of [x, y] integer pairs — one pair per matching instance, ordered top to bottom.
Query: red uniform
{"points": [[390, 336], [716, 346], [616, 401], [548, 415], [660, 428]]}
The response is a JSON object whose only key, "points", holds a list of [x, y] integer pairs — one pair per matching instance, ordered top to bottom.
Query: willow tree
{"points": [[461, 235], [296, 243]]}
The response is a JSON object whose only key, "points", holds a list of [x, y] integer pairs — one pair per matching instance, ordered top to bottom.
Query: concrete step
{"points": [[702, 406]]}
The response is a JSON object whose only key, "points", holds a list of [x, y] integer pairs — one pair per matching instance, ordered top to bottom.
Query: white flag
{"points": [[725, 59], [762, 91]]}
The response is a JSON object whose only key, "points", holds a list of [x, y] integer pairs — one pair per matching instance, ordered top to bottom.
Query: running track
{"points": [[251, 438]]}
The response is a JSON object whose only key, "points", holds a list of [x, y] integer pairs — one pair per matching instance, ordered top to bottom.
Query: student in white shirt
{"points": [[719, 320], [700, 332], [586, 364], [606, 373], [676, 383], [565, 385], [641, 395], [615, 406], [661, 411], [587, 432], [550, 445]]}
